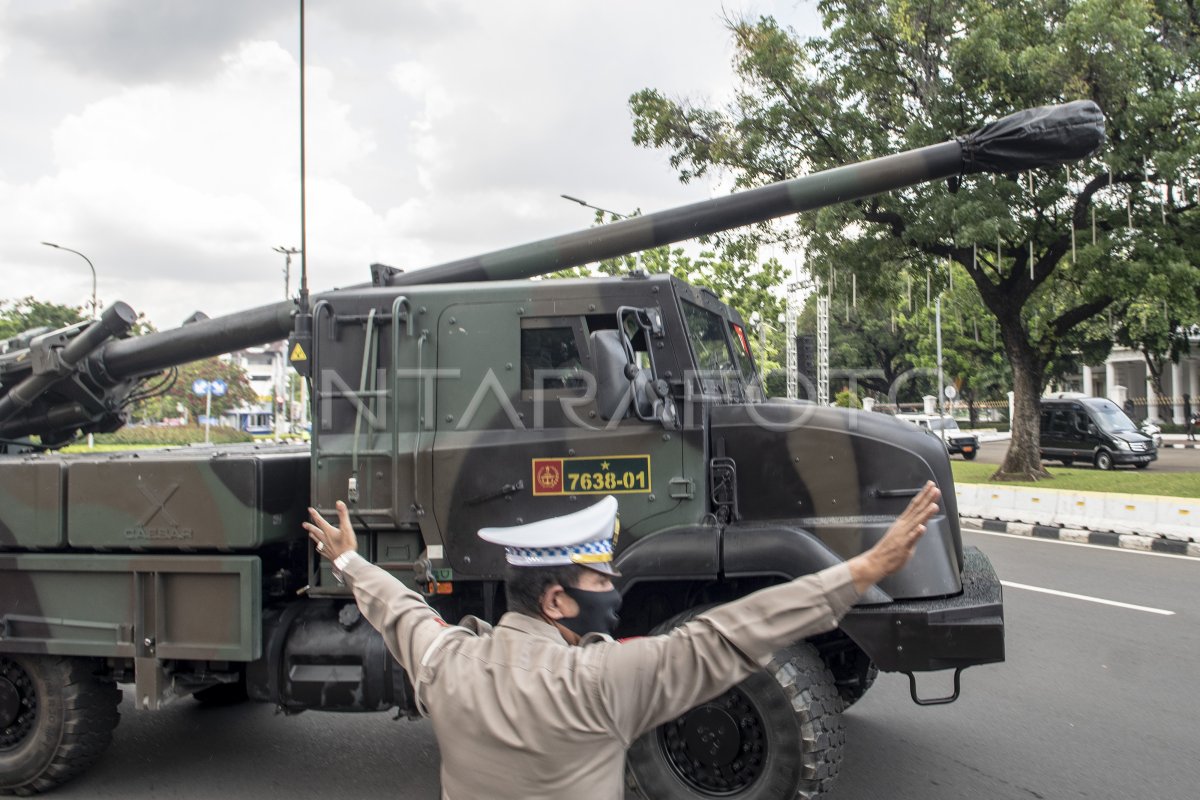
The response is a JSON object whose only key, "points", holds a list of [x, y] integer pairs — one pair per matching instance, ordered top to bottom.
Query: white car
{"points": [[946, 428]]}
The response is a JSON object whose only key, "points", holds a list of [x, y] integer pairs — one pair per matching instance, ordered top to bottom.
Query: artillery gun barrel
{"points": [[1039, 137], [116, 320], [143, 355]]}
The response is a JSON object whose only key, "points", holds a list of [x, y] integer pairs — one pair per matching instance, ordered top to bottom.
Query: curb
{"points": [[1181, 446], [1127, 541]]}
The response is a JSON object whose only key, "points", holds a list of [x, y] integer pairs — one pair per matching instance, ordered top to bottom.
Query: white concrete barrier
{"points": [[996, 502], [1035, 505], [1080, 510], [1129, 513], [1143, 515], [1178, 518]]}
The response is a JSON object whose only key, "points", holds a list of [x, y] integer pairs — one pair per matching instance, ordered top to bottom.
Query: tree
{"points": [[1049, 253], [731, 271], [26, 313], [1158, 330], [238, 391]]}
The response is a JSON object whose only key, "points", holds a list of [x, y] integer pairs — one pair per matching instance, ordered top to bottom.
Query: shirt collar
{"points": [[514, 620]]}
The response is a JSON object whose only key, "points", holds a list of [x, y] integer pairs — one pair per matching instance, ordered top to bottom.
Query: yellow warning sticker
{"points": [[298, 354]]}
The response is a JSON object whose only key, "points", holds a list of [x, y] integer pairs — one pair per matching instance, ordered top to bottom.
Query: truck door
{"points": [[518, 439]]}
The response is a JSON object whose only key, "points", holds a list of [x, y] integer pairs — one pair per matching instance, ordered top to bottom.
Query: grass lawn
{"points": [[113, 448], [1120, 481]]}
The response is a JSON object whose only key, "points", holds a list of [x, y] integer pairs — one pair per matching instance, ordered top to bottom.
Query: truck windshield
{"points": [[720, 370], [1110, 418], [943, 424]]}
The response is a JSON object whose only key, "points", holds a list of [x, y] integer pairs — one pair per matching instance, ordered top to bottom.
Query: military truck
{"points": [[462, 395]]}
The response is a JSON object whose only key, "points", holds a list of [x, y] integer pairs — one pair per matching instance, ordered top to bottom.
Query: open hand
{"points": [[332, 542], [896, 547]]}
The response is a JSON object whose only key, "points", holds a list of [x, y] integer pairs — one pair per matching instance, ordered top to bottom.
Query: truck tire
{"points": [[970, 456], [1104, 460], [58, 717], [787, 719]]}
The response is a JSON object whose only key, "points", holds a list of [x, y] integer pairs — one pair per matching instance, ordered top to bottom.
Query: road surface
{"points": [[1095, 701]]}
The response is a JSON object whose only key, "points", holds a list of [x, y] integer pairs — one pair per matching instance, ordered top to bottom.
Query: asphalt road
{"points": [[1170, 459], [1095, 701]]}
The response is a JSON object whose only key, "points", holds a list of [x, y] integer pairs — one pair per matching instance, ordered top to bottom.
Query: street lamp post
{"points": [[594, 208], [95, 305]]}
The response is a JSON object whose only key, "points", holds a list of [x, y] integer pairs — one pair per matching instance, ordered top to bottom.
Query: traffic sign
{"points": [[200, 386], [217, 387], [951, 393]]}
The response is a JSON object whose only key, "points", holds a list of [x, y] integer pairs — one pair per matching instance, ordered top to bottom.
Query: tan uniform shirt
{"points": [[519, 713]]}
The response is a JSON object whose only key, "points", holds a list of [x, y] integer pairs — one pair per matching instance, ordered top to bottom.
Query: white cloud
{"points": [[435, 130]]}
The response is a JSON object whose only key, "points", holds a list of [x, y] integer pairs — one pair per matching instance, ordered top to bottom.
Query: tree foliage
{"points": [[1050, 253], [730, 269], [27, 313], [238, 392]]}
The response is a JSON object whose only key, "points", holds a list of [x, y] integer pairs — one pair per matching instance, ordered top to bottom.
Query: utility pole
{"points": [[287, 252], [941, 417]]}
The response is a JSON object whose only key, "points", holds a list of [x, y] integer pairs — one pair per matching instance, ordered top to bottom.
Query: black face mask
{"points": [[597, 611]]}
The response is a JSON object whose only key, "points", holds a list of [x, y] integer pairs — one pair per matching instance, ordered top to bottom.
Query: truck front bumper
{"points": [[946, 633]]}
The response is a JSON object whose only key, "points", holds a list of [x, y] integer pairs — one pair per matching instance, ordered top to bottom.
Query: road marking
{"points": [[1107, 547], [1074, 596]]}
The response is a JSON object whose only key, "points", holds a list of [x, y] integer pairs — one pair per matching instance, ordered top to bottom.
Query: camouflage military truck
{"points": [[465, 395]]}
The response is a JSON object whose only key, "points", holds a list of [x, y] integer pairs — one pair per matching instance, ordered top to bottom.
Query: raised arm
{"points": [[408, 625], [645, 682]]}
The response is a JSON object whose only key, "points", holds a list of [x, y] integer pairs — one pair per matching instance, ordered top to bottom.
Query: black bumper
{"points": [[1127, 457], [926, 635]]}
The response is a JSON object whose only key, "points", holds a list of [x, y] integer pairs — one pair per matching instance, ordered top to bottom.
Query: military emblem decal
{"points": [[591, 475]]}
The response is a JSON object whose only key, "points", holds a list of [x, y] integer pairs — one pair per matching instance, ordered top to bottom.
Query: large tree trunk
{"points": [[1023, 462]]}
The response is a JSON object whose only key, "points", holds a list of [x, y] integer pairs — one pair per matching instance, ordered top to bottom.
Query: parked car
{"points": [[1076, 427], [946, 428]]}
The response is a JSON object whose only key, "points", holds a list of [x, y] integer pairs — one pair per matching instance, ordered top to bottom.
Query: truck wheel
{"points": [[969, 456], [1104, 460], [1066, 462], [1143, 465], [56, 718], [777, 735]]}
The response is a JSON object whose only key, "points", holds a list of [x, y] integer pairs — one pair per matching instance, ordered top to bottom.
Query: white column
{"points": [[1110, 378], [1087, 380], [1194, 381], [1177, 393], [1151, 399]]}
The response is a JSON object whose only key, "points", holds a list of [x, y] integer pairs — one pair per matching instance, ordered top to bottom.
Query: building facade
{"points": [[1125, 378]]}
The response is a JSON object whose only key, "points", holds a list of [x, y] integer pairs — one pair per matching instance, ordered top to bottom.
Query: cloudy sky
{"points": [[161, 138]]}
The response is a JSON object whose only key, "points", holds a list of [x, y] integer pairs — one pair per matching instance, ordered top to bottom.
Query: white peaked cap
{"points": [[584, 537]]}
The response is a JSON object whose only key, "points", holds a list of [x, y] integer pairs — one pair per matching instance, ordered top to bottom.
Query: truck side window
{"points": [[553, 352], [1062, 420], [1081, 420]]}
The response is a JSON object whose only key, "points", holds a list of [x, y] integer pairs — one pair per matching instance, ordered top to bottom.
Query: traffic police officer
{"points": [[521, 712]]}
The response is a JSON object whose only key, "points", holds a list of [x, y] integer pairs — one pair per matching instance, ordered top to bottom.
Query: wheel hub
{"points": [[18, 704], [718, 749]]}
